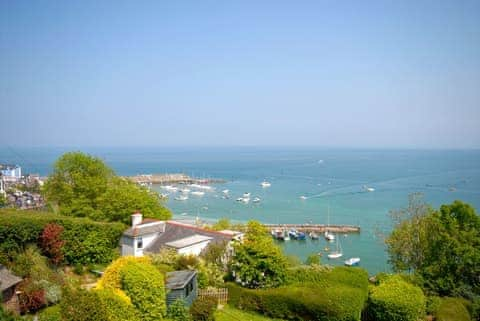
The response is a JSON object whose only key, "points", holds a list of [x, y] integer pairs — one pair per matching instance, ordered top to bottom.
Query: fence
{"points": [[221, 294]]}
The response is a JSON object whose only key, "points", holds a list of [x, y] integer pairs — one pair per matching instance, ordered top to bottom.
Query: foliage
{"points": [[82, 185], [3, 200], [222, 224], [85, 241], [51, 242], [442, 248], [215, 253], [166, 256], [313, 259], [187, 262], [258, 262], [210, 275], [111, 278], [144, 284], [53, 292], [31, 297], [396, 300], [433, 303], [81, 305], [117, 308], [203, 309], [452, 309], [177, 311], [52, 313], [229, 313], [6, 315]]}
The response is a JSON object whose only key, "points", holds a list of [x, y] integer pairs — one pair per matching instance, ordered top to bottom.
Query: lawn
{"points": [[228, 313]]}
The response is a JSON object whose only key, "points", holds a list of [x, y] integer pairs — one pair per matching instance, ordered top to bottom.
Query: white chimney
{"points": [[137, 219]]}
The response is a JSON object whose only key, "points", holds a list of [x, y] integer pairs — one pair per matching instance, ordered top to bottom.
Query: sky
{"points": [[386, 74]]}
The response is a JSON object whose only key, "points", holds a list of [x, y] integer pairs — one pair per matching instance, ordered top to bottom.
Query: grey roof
{"points": [[145, 228], [175, 231], [188, 241], [7, 279], [179, 279]]}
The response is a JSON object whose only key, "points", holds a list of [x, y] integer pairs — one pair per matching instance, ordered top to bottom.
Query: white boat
{"points": [[266, 184], [204, 187], [170, 188], [368, 189], [185, 190], [225, 191], [198, 193], [246, 195], [303, 197], [181, 198], [239, 199], [245, 199], [256, 200], [329, 237], [338, 251], [353, 261]]}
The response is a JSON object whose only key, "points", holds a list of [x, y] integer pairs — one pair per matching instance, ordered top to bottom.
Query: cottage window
{"points": [[139, 243], [188, 289]]}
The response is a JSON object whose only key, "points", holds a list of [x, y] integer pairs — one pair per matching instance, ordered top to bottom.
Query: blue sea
{"points": [[333, 181]]}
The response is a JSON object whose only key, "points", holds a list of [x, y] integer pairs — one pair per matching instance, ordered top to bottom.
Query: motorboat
{"points": [[265, 184], [368, 189], [185, 190], [225, 191], [198, 193], [246, 195], [303, 197], [181, 198], [256, 200], [313, 235], [301, 236], [329, 237], [353, 261]]}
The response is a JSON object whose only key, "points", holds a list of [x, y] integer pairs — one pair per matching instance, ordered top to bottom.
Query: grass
{"points": [[229, 313]]}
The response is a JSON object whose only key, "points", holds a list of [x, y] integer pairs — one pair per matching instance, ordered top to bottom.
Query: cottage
{"points": [[150, 236], [8, 284], [181, 285]]}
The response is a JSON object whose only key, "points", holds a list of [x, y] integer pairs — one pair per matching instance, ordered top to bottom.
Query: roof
{"points": [[147, 227], [175, 231], [188, 241], [7, 279], [179, 279]]}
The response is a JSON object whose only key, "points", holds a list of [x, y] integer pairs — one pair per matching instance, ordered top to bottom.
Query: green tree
{"points": [[83, 185], [3, 200], [441, 248], [258, 262]]}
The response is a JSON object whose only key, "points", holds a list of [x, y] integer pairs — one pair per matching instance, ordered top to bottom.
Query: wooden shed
{"points": [[8, 284], [181, 285]]}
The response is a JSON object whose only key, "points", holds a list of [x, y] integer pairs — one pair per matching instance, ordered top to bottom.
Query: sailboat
{"points": [[328, 236], [338, 251]]}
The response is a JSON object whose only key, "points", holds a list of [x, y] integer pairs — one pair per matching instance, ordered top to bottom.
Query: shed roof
{"points": [[189, 241], [7, 279], [179, 279]]}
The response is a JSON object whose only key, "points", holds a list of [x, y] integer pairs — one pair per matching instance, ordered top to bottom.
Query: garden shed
{"points": [[8, 284], [181, 285]]}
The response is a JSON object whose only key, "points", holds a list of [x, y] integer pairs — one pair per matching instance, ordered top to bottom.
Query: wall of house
{"points": [[147, 240], [195, 249]]}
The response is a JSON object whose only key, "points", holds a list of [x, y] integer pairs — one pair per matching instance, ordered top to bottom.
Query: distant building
{"points": [[11, 171], [2, 186], [150, 236], [8, 284], [181, 285]]}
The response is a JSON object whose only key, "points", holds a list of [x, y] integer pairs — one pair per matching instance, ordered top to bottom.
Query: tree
{"points": [[82, 185], [441, 248], [258, 262]]}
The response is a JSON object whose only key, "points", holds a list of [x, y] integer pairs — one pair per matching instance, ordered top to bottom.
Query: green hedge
{"points": [[86, 241], [144, 284], [396, 300], [452, 309]]}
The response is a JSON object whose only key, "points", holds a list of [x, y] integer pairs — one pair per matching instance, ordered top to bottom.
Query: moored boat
{"points": [[353, 261]]}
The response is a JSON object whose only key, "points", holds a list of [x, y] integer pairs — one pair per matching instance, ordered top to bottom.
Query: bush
{"points": [[86, 241], [51, 242], [111, 278], [144, 284], [53, 292], [31, 297], [396, 300], [433, 303], [81, 305], [117, 308], [203, 309], [452, 309], [177, 311], [50, 314], [6, 315]]}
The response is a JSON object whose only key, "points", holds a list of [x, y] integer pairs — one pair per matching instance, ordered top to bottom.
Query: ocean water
{"points": [[333, 181]]}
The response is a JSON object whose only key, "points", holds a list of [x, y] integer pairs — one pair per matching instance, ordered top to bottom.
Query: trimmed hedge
{"points": [[86, 241], [111, 278], [144, 284], [396, 300], [452, 309]]}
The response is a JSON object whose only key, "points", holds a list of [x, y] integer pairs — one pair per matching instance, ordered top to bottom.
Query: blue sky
{"points": [[220, 73]]}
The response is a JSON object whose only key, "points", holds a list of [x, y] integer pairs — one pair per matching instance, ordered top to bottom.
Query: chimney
{"points": [[136, 219]]}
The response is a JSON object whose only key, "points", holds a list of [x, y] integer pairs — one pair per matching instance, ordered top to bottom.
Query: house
{"points": [[11, 172], [150, 236], [8, 284], [181, 285]]}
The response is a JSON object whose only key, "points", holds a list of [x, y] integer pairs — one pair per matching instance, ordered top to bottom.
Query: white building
{"points": [[11, 172], [150, 236]]}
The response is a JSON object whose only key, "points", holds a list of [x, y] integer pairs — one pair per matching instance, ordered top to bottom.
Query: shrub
{"points": [[86, 241], [51, 242], [111, 278], [144, 284], [53, 292], [31, 297], [396, 300], [433, 303], [81, 305], [117, 308], [203, 309], [452, 309], [177, 311], [52, 313], [6, 315]]}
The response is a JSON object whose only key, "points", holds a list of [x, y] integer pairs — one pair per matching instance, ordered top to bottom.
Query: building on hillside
{"points": [[11, 172], [2, 186], [150, 236], [8, 285], [181, 285]]}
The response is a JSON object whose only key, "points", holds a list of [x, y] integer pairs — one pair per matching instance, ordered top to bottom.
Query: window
{"points": [[139, 243], [188, 289]]}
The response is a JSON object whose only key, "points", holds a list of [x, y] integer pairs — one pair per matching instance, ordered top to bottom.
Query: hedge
{"points": [[86, 241], [111, 278], [144, 284], [396, 300], [452, 309]]}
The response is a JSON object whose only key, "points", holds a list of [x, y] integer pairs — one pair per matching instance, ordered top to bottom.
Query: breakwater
{"points": [[177, 178], [315, 228]]}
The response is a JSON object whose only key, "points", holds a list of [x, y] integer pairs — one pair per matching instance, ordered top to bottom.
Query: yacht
{"points": [[266, 184], [368, 189], [185, 190], [225, 191], [198, 193], [246, 195], [303, 197], [181, 198], [256, 200], [329, 237], [338, 251], [354, 261]]}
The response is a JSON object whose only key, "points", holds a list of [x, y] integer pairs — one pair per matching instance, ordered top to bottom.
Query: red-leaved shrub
{"points": [[51, 242], [31, 297]]}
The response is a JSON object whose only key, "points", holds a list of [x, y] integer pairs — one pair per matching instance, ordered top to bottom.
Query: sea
{"points": [[340, 186]]}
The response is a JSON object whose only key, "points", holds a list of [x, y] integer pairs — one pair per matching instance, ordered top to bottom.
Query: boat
{"points": [[265, 184], [198, 186], [170, 188], [368, 189], [185, 190], [225, 191], [198, 193], [246, 195], [303, 197], [181, 198], [239, 199], [245, 199], [256, 200], [293, 234], [313, 235], [301, 236], [328, 236], [286, 237], [338, 251], [353, 261]]}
